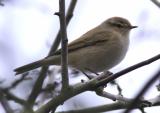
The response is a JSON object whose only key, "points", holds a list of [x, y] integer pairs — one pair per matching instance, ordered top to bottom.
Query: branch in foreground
{"points": [[156, 2], [1, 3], [69, 15], [64, 45], [17, 82], [39, 82], [90, 86], [143, 91], [11, 96], [111, 96], [4, 103], [110, 107]]}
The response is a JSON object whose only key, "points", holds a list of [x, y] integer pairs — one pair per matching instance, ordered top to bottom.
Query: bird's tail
{"points": [[29, 67]]}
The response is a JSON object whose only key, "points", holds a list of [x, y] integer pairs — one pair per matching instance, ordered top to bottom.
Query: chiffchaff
{"points": [[99, 49]]}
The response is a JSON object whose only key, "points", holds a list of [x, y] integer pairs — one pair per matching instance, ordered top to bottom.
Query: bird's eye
{"points": [[118, 25]]}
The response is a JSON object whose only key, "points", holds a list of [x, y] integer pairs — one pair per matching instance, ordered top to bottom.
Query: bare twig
{"points": [[1, 3], [157, 3], [69, 15], [64, 43], [17, 82], [39, 82], [37, 86], [100, 90], [143, 91], [10, 96], [112, 97], [4, 103], [107, 107], [98, 109]]}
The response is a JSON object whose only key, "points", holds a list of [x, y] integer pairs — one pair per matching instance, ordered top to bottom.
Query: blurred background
{"points": [[28, 28]]}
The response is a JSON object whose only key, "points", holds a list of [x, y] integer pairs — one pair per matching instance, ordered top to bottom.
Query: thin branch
{"points": [[156, 2], [1, 3], [69, 15], [64, 45], [127, 70], [18, 81], [39, 82], [37, 86], [100, 91], [143, 91], [11, 96], [112, 97], [5, 104], [107, 107], [98, 109]]}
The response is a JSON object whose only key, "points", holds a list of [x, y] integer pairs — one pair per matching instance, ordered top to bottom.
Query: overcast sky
{"points": [[28, 27]]}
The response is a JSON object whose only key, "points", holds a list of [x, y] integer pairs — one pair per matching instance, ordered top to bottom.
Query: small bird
{"points": [[97, 50]]}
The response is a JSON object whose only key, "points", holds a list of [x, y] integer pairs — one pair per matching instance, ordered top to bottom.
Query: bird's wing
{"points": [[98, 37]]}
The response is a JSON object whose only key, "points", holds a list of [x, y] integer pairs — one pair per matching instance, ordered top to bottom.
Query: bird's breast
{"points": [[100, 57]]}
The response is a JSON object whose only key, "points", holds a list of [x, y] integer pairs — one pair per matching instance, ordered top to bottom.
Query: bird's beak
{"points": [[132, 27]]}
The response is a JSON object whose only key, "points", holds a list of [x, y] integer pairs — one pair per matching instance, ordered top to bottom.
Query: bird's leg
{"points": [[91, 71], [87, 75]]}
